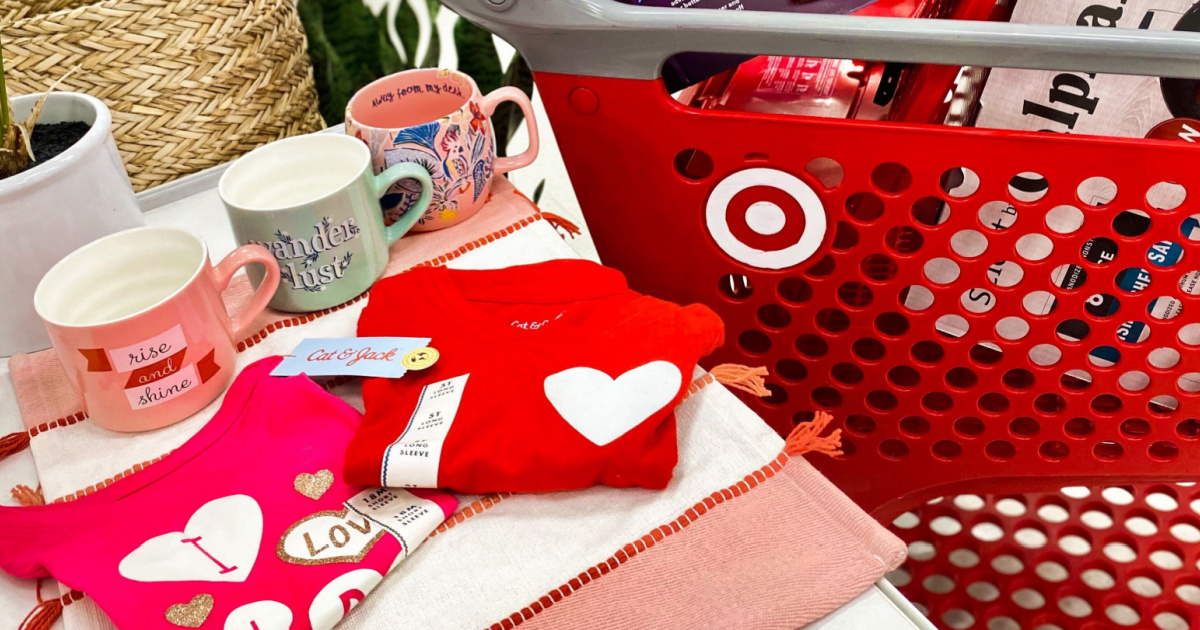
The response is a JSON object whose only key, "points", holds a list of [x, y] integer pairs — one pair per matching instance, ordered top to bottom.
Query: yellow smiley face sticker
{"points": [[420, 358]]}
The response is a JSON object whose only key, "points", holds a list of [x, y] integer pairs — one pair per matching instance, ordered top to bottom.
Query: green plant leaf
{"points": [[348, 47], [477, 56], [5, 112], [537, 192]]}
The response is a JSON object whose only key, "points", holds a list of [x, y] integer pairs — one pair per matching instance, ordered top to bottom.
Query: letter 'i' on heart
{"points": [[603, 409], [314, 486], [219, 544], [192, 614]]}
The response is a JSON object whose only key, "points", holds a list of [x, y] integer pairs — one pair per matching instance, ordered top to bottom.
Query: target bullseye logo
{"points": [[765, 218]]}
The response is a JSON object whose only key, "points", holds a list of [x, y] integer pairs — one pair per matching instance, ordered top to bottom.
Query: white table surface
{"points": [[192, 203]]}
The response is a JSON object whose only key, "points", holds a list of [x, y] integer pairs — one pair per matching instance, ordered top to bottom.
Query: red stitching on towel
{"points": [[474, 509], [640, 545]]}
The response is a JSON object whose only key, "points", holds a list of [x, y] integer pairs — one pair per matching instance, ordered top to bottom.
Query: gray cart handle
{"points": [[605, 38]]}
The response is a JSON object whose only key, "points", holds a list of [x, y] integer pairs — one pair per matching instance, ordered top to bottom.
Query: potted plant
{"points": [[62, 184]]}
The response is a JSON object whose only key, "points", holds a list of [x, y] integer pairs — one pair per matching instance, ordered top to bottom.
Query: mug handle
{"points": [[489, 104], [383, 181], [239, 258]]}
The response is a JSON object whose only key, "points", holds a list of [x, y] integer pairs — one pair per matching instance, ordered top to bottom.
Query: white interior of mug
{"points": [[411, 98], [295, 171], [119, 276]]}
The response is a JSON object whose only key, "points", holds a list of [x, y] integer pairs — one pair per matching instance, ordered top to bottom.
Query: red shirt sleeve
{"points": [[700, 323]]}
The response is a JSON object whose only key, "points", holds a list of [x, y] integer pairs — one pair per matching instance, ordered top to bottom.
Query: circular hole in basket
{"points": [[693, 164], [827, 171], [891, 177], [959, 182], [1028, 186], [1097, 192], [1166, 196], [864, 206], [930, 211], [997, 215], [1064, 219], [1131, 223], [1190, 228], [845, 237], [904, 240], [969, 243], [1034, 247], [1099, 250], [1164, 254], [879, 267], [822, 268], [941, 271], [1068, 277], [1133, 280], [1189, 282], [735, 286], [795, 290], [855, 295], [916, 297], [978, 300], [1039, 303], [1102, 305], [1165, 308], [774, 316], [832, 320], [892, 324], [952, 326], [1012, 328], [1072, 330], [1189, 335], [754, 342], [811, 346], [868, 349], [928, 352], [986, 353], [1045, 354], [1104, 356], [791, 369], [846, 373], [903, 376], [962, 378], [1018, 378], [1075, 380], [1134, 381], [776, 395], [827, 397], [882, 400], [937, 401], [994, 402], [1050, 404], [1106, 404], [1163, 404], [860, 423], [915, 425], [969, 426], [1024, 427], [1079, 427], [1135, 428], [1188, 429], [849, 448], [893, 448], [947, 449], [1000, 450], [1054, 450], [1108, 451], [1164, 451], [1117, 495], [1162, 499], [1053, 511], [1097, 517], [945, 526], [1185, 531], [964, 558], [1007, 564], [1052, 571], [938, 584], [1144, 585], [983, 591], [1028, 598], [1075, 606], [1122, 614], [958, 619], [1171, 620]]}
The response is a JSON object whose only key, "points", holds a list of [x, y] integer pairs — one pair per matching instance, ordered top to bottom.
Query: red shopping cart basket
{"points": [[1005, 322]]}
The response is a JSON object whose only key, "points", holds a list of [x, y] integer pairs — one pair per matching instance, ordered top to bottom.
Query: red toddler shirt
{"points": [[552, 376]]}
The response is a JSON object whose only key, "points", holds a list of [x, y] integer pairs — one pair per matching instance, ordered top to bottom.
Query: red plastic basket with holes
{"points": [[1016, 366]]}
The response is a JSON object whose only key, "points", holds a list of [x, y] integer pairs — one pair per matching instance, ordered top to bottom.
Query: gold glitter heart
{"points": [[314, 486], [192, 614]]}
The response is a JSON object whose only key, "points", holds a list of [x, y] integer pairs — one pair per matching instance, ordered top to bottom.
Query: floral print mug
{"points": [[438, 119]]}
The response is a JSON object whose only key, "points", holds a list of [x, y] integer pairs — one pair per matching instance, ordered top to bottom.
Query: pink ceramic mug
{"points": [[438, 119], [138, 322]]}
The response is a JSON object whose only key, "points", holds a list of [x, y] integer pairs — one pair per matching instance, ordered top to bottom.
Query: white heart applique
{"points": [[603, 409], [219, 544]]}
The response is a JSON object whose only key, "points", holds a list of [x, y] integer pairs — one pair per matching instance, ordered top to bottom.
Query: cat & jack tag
{"points": [[385, 357]]}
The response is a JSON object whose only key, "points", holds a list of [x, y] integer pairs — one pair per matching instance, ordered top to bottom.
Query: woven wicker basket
{"points": [[11, 10], [191, 83]]}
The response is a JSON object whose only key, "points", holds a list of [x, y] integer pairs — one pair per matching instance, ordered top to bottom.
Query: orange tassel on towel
{"points": [[559, 222], [748, 379], [807, 438], [13, 443], [28, 496], [47, 612]]}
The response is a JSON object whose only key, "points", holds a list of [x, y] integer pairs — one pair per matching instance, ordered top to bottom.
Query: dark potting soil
{"points": [[51, 139]]}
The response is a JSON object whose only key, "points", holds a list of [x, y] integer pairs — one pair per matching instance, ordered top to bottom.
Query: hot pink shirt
{"points": [[247, 526]]}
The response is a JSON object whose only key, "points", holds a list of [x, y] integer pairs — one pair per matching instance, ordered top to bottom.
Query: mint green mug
{"points": [[313, 202]]}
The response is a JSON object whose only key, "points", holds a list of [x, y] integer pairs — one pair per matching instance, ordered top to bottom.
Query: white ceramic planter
{"points": [[54, 208]]}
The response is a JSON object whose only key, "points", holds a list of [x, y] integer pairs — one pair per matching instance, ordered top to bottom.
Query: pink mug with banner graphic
{"points": [[438, 119], [139, 324]]}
